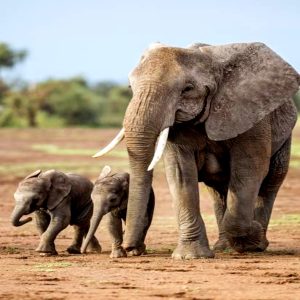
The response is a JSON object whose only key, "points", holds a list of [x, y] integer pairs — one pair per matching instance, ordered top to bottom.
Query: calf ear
{"points": [[105, 172], [34, 174], [125, 180], [59, 189]]}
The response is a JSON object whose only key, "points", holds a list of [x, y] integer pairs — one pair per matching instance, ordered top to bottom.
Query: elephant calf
{"points": [[110, 195], [58, 200]]}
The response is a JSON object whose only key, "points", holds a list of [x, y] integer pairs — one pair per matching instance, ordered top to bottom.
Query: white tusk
{"points": [[112, 144], [161, 144]]}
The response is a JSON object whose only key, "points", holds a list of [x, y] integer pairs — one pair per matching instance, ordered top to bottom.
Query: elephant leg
{"points": [[249, 166], [182, 176], [219, 195], [264, 204], [60, 219], [42, 220], [116, 232], [79, 233], [94, 245]]}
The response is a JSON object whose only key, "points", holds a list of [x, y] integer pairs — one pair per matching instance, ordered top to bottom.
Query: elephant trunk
{"points": [[143, 123], [140, 150], [98, 214], [16, 215]]}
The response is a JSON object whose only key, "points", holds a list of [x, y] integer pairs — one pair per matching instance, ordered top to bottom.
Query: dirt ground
{"points": [[274, 274]]}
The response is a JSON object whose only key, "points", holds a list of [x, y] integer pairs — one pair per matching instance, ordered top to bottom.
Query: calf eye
{"points": [[187, 88], [34, 199], [113, 199]]}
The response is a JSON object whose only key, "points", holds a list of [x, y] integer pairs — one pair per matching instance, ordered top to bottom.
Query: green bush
{"points": [[68, 102], [76, 104], [114, 105], [18, 111], [9, 119], [44, 120]]}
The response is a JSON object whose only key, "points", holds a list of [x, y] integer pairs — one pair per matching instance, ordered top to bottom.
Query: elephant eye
{"points": [[187, 88], [34, 199], [113, 199]]}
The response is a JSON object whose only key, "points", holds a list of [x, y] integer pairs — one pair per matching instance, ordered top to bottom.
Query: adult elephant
{"points": [[226, 115]]}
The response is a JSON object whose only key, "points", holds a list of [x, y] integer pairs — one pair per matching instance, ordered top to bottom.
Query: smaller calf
{"points": [[110, 195], [58, 200]]}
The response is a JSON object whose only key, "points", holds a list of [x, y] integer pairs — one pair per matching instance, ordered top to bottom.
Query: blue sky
{"points": [[103, 40]]}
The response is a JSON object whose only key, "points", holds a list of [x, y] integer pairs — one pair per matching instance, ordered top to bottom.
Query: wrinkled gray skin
{"points": [[230, 113], [110, 196], [58, 200]]}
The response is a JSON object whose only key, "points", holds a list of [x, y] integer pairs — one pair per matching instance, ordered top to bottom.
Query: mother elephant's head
{"points": [[230, 88]]}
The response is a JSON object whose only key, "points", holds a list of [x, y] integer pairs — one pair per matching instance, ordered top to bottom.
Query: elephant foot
{"points": [[254, 241], [222, 244], [263, 245], [94, 246], [46, 249], [74, 249], [192, 250], [138, 251], [118, 252]]}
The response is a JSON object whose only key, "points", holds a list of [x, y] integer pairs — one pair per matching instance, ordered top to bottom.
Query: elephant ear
{"points": [[255, 82], [105, 172], [34, 174], [60, 188]]}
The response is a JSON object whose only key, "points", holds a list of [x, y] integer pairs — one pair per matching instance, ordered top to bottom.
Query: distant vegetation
{"points": [[58, 103], [61, 103]]}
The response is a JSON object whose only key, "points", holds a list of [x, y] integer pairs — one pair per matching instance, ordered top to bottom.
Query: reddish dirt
{"points": [[274, 274]]}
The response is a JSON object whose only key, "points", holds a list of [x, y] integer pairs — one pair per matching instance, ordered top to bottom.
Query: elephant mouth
{"points": [[196, 118], [193, 120], [33, 207]]}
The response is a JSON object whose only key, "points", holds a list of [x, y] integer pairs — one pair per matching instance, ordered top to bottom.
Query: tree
{"points": [[10, 57], [103, 88], [70, 100], [113, 106], [19, 110]]}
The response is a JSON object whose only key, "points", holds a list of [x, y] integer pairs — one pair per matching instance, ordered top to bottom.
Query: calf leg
{"points": [[60, 219], [42, 220], [79, 233], [116, 233]]}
